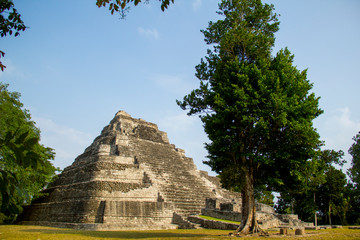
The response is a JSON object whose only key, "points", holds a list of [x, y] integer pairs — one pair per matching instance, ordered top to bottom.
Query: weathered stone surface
{"points": [[130, 177], [211, 224], [284, 231], [300, 231]]}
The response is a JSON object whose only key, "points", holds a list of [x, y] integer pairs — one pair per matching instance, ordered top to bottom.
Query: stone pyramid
{"points": [[130, 177]]}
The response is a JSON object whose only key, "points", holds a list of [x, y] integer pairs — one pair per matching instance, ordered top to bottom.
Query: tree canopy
{"points": [[257, 109], [24, 163]]}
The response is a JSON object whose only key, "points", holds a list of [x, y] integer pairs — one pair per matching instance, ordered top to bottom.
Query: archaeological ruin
{"points": [[130, 177]]}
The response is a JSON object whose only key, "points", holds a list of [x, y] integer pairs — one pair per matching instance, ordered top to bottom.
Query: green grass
{"points": [[217, 219], [15, 232]]}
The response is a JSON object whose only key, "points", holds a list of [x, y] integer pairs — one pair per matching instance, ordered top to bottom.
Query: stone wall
{"points": [[225, 212], [211, 224]]}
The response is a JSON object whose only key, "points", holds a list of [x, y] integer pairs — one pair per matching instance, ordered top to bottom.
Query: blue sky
{"points": [[77, 65]]}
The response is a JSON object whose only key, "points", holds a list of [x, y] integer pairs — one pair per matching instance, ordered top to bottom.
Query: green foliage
{"points": [[121, 6], [10, 19], [10, 22], [354, 151], [24, 163], [323, 188], [353, 189], [263, 195], [331, 195], [284, 205], [341, 209], [353, 216]]}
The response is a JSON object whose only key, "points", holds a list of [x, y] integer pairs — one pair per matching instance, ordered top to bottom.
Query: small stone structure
{"points": [[130, 177], [266, 216]]}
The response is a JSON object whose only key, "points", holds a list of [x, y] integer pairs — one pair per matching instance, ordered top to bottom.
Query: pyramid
{"points": [[129, 178]]}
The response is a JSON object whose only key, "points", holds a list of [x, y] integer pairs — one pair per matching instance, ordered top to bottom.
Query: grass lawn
{"points": [[46, 233]]}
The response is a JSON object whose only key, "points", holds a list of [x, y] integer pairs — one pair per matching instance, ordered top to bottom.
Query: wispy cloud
{"points": [[196, 4], [148, 33], [11, 70], [174, 83], [177, 123], [340, 128], [337, 130], [67, 142]]}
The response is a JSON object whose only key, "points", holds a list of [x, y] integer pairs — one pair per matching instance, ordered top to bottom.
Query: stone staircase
{"points": [[178, 180]]}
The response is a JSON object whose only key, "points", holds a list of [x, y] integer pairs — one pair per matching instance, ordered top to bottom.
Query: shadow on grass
{"points": [[118, 234]]}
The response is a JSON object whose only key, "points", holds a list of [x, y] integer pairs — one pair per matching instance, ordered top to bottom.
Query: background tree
{"points": [[256, 109], [354, 151], [24, 163], [353, 190], [352, 193], [262, 194], [331, 196], [304, 200]]}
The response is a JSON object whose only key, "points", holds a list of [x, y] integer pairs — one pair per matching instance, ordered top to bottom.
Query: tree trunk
{"points": [[315, 210], [330, 214], [248, 224]]}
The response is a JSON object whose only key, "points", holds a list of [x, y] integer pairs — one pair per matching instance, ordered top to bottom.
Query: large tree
{"points": [[256, 109], [25, 168]]}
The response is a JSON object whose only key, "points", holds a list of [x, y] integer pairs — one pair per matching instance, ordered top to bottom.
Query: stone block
{"points": [[103, 149], [210, 203], [226, 207], [336, 226], [300, 231]]}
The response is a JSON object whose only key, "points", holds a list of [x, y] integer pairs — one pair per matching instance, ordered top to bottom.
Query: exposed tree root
{"points": [[246, 229]]}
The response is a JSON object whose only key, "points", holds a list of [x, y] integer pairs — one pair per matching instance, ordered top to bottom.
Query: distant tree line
{"points": [[329, 193]]}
